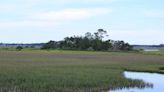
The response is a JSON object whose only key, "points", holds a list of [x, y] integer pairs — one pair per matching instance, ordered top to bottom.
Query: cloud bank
{"points": [[52, 18]]}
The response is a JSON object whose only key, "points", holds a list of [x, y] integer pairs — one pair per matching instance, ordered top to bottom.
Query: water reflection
{"points": [[156, 79]]}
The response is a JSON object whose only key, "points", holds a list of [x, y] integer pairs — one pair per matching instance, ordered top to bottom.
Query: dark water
{"points": [[154, 78]]}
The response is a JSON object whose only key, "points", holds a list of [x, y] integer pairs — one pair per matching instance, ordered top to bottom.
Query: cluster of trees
{"points": [[90, 41], [19, 48]]}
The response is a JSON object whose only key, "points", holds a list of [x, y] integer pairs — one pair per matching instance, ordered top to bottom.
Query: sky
{"points": [[35, 21]]}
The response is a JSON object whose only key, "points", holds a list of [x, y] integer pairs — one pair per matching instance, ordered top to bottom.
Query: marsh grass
{"points": [[71, 71]]}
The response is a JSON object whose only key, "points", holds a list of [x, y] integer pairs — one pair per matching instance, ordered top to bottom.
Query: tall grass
{"points": [[43, 71]]}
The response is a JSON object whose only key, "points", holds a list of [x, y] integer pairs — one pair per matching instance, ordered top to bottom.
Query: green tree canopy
{"points": [[89, 42]]}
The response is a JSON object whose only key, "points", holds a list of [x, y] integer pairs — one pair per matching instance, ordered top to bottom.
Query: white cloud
{"points": [[34, 3], [7, 7], [154, 13], [71, 14], [52, 18], [26, 23]]}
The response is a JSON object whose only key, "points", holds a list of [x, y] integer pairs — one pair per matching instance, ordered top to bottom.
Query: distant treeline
{"points": [[92, 42], [21, 44], [149, 46]]}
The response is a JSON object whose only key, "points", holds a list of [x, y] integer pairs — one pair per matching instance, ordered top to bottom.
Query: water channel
{"points": [[154, 78]]}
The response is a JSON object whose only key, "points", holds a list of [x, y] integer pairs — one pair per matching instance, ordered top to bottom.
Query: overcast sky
{"points": [[34, 21]]}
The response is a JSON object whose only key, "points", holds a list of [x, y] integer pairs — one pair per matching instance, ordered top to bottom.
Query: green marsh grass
{"points": [[72, 71]]}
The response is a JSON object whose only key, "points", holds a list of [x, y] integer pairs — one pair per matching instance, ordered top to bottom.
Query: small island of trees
{"points": [[90, 42]]}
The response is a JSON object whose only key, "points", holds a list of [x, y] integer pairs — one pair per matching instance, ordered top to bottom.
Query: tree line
{"points": [[91, 42]]}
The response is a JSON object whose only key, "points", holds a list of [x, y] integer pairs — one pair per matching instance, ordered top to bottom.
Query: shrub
{"points": [[19, 48]]}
